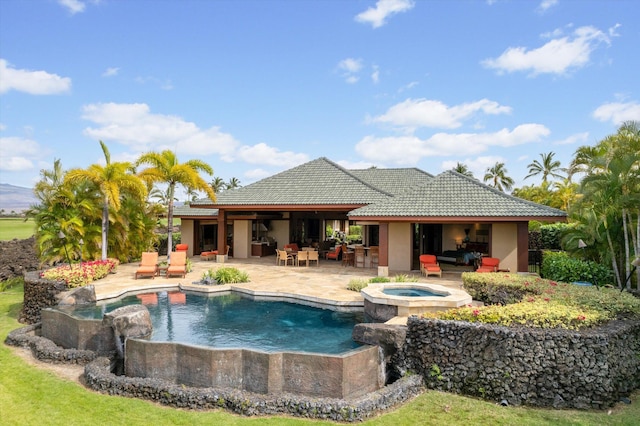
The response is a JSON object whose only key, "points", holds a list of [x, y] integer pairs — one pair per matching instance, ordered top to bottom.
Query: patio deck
{"points": [[324, 284]]}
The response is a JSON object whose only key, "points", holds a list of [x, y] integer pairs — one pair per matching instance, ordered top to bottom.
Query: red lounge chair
{"points": [[182, 247], [334, 254], [178, 264], [489, 264], [148, 265], [429, 265]]}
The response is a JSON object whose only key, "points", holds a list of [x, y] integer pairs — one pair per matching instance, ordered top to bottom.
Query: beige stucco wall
{"points": [[279, 231], [186, 235], [241, 239], [504, 245], [400, 246]]}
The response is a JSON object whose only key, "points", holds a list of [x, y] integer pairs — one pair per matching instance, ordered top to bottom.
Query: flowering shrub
{"points": [[81, 274], [515, 299]]}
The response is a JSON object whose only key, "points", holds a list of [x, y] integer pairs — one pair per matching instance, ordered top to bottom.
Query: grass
{"points": [[14, 227], [34, 396]]}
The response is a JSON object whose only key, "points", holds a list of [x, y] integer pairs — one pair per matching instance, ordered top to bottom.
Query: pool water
{"points": [[410, 292], [234, 321]]}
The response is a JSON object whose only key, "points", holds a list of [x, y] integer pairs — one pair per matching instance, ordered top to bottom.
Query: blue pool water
{"points": [[410, 292], [233, 321]]}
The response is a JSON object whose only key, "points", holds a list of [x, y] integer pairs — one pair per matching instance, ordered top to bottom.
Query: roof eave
{"points": [[458, 219]]}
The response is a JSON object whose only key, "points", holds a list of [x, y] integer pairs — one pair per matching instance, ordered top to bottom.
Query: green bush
{"points": [[551, 235], [558, 266], [228, 275], [404, 278], [380, 280], [357, 284]]}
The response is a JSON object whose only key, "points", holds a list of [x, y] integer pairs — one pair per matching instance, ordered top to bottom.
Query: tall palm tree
{"points": [[548, 167], [165, 168], [462, 169], [497, 177], [110, 181], [233, 183], [218, 185]]}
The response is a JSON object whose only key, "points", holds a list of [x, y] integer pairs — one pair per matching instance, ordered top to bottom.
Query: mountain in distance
{"points": [[16, 198]]}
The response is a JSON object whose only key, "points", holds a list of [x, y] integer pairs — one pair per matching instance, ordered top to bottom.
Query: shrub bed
{"points": [[559, 266], [81, 274]]}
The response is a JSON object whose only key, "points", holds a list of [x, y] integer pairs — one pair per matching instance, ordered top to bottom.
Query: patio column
{"points": [[222, 236], [523, 246], [383, 257]]}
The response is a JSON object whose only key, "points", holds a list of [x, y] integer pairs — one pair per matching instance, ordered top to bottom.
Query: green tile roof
{"points": [[393, 181], [317, 182], [451, 194], [188, 211]]}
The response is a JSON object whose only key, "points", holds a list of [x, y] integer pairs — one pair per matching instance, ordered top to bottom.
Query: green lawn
{"points": [[13, 227], [31, 396]]}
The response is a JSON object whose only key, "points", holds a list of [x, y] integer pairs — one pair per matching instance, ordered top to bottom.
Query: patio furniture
{"points": [[182, 247], [292, 247], [334, 254], [208, 255], [302, 256], [313, 256], [347, 256], [359, 256], [374, 256], [284, 257], [178, 264], [489, 264], [148, 265], [429, 265]]}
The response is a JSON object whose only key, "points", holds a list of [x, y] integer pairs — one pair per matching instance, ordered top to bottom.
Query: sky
{"points": [[257, 87]]}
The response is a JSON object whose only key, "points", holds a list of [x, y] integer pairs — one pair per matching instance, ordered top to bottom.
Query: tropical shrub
{"points": [[551, 235], [559, 266], [81, 274], [228, 275], [404, 278], [380, 280], [357, 284]]}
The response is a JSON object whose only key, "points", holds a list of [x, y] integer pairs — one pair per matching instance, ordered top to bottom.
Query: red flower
{"points": [[553, 283], [476, 312], [581, 317]]}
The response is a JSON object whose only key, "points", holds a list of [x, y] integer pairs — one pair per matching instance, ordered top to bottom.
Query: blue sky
{"points": [[257, 87]]}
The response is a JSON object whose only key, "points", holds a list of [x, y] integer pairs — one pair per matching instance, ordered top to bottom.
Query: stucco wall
{"points": [[279, 230], [186, 235], [241, 239], [504, 245], [399, 246]]}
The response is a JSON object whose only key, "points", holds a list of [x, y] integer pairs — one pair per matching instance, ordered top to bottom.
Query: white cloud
{"points": [[546, 5], [73, 6], [376, 16], [558, 56], [350, 68], [110, 72], [375, 75], [32, 82], [408, 86], [618, 112], [414, 113], [135, 126], [2, 127], [574, 139], [409, 149], [18, 153], [264, 154], [256, 174]]}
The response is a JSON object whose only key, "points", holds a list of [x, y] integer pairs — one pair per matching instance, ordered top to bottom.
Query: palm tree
{"points": [[548, 167], [165, 168], [462, 169], [497, 176], [110, 181], [233, 183], [218, 185]]}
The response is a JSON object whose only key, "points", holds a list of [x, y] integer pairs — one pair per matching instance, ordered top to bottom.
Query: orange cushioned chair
{"points": [[182, 247], [334, 254], [178, 264], [489, 264], [148, 265], [429, 265]]}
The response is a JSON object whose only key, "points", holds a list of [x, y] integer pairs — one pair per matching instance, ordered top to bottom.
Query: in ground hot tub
{"points": [[387, 300]]}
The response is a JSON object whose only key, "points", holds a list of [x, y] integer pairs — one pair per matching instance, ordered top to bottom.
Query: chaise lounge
{"points": [[148, 265]]}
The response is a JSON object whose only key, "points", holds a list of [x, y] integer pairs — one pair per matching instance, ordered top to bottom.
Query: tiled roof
{"points": [[393, 181], [317, 182], [451, 194], [187, 211]]}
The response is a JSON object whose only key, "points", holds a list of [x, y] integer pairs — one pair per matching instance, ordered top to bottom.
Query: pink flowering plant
{"points": [[79, 275]]}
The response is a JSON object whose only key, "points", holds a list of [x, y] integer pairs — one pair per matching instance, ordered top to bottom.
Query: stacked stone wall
{"points": [[39, 293], [539, 367]]}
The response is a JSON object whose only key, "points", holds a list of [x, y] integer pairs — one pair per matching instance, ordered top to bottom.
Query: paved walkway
{"points": [[325, 284]]}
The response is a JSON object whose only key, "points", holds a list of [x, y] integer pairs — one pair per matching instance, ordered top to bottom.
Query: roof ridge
{"points": [[345, 170]]}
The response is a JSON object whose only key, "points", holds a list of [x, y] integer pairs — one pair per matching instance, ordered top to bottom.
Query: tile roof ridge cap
{"points": [[343, 169]]}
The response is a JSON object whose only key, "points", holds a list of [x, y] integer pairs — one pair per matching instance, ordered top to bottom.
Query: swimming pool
{"points": [[411, 292], [235, 321]]}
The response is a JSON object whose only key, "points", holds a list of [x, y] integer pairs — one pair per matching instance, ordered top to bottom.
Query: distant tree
{"points": [[548, 167], [165, 168], [462, 169], [497, 177], [110, 180], [233, 183], [218, 185]]}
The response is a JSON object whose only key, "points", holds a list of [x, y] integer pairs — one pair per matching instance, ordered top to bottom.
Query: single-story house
{"points": [[404, 211]]}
